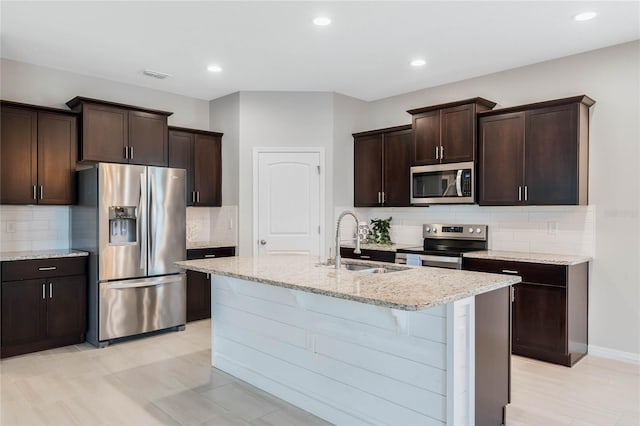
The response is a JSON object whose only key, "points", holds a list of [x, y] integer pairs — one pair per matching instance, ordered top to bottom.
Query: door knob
{"points": [[263, 242]]}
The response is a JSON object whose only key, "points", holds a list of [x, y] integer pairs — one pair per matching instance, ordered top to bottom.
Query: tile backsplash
{"points": [[219, 224], [34, 227], [25, 228], [550, 229]]}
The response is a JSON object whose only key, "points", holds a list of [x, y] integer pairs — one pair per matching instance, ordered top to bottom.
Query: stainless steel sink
{"points": [[370, 268]]}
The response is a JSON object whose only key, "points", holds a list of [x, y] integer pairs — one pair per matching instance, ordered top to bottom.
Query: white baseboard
{"points": [[614, 354]]}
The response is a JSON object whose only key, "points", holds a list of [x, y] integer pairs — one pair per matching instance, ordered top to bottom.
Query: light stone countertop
{"points": [[208, 244], [7, 256], [517, 256], [411, 289]]}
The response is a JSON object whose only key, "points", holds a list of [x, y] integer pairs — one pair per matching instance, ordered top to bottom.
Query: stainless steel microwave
{"points": [[443, 184]]}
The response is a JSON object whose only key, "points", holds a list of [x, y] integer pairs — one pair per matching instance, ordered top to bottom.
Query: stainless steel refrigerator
{"points": [[131, 219]]}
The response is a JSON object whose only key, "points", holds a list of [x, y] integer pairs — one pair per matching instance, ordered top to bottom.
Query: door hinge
{"points": [[318, 169]]}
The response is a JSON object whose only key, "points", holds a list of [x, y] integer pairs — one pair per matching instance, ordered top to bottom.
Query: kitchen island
{"points": [[349, 346]]}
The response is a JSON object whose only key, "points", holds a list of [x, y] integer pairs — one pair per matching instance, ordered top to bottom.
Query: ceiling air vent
{"points": [[156, 74]]}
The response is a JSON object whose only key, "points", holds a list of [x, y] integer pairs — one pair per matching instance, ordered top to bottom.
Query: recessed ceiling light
{"points": [[585, 16], [322, 21], [418, 62], [214, 68]]}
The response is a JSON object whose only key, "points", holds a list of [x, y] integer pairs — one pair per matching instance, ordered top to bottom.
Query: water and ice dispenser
{"points": [[122, 225]]}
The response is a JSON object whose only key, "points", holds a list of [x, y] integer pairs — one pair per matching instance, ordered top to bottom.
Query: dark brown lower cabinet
{"points": [[199, 283], [43, 304], [549, 308]]}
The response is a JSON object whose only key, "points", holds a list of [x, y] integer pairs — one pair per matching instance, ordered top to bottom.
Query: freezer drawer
{"points": [[137, 306]]}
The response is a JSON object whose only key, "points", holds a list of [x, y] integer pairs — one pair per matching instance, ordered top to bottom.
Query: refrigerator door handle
{"points": [[152, 212], [142, 214]]}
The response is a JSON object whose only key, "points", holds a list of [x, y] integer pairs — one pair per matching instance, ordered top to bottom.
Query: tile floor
{"points": [[167, 379]]}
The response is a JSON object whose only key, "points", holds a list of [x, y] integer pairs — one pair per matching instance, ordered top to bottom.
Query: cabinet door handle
{"points": [[126, 152], [131, 152], [436, 152], [441, 152], [41, 192], [34, 193], [520, 193], [526, 193], [193, 196], [198, 196], [383, 197], [379, 198], [209, 255], [365, 257], [47, 268], [510, 271], [43, 291], [50, 291], [513, 294]]}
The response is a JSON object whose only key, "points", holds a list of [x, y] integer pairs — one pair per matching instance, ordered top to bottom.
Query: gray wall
{"points": [[611, 77], [37, 85], [225, 118], [281, 119]]}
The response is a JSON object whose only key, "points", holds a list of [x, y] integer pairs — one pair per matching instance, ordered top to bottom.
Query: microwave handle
{"points": [[459, 183]]}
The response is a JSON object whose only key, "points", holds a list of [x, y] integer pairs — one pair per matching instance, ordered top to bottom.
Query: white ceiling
{"points": [[364, 53]]}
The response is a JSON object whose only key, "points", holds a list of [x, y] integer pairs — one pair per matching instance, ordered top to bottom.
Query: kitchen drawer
{"points": [[210, 252], [376, 255], [43, 268], [537, 273]]}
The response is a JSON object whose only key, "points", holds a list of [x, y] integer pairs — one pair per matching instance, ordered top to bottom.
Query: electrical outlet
{"points": [[11, 227], [552, 227]]}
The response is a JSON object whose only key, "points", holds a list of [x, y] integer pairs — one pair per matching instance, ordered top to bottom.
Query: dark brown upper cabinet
{"points": [[118, 133], [446, 133], [200, 153], [535, 154], [38, 155], [382, 159]]}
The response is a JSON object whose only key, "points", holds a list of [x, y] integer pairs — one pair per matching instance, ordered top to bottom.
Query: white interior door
{"points": [[288, 210]]}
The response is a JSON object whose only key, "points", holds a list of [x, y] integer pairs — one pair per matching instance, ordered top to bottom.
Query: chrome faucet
{"points": [[357, 250]]}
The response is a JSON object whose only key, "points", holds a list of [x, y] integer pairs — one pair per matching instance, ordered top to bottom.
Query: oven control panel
{"points": [[461, 232]]}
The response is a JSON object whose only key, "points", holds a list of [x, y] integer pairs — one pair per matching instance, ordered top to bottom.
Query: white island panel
{"points": [[344, 361]]}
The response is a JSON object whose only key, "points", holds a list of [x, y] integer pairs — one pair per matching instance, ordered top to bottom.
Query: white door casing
{"points": [[288, 201]]}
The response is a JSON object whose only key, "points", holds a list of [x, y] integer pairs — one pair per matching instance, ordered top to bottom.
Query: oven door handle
{"points": [[459, 183], [439, 259]]}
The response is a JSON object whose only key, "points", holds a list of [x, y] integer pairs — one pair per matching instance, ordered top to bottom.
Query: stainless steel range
{"points": [[444, 245]]}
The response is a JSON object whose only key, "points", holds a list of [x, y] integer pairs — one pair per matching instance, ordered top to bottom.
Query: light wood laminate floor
{"points": [[167, 379]]}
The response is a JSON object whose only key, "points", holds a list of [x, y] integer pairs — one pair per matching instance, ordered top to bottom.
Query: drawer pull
{"points": [[209, 255], [365, 257], [47, 268], [510, 271]]}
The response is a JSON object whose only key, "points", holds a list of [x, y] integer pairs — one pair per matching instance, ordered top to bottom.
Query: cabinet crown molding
{"points": [[582, 99], [480, 101], [5, 103], [76, 103], [198, 131], [381, 131]]}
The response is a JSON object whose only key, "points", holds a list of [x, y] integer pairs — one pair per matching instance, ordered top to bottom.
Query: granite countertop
{"points": [[208, 244], [381, 247], [6, 256], [517, 256], [410, 289]]}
